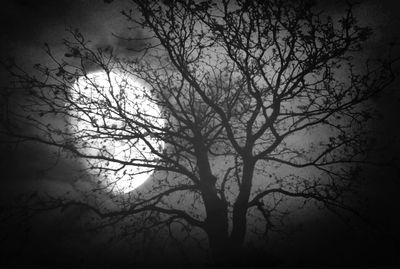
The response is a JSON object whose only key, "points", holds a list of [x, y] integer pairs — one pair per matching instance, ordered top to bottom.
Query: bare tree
{"points": [[248, 104]]}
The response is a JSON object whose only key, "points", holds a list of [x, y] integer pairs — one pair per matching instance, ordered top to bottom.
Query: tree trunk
{"points": [[239, 221], [216, 223], [217, 231], [227, 250]]}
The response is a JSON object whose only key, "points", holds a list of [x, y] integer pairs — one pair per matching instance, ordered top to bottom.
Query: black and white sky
{"points": [[322, 239]]}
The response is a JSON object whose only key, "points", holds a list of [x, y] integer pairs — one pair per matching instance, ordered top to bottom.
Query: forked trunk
{"points": [[227, 248]]}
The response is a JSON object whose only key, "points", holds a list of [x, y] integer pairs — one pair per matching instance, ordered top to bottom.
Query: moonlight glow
{"points": [[111, 117]]}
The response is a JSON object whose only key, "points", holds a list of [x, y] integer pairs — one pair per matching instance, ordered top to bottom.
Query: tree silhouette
{"points": [[236, 107]]}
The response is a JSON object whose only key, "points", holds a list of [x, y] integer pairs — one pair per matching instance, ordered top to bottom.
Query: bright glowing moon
{"points": [[112, 117]]}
